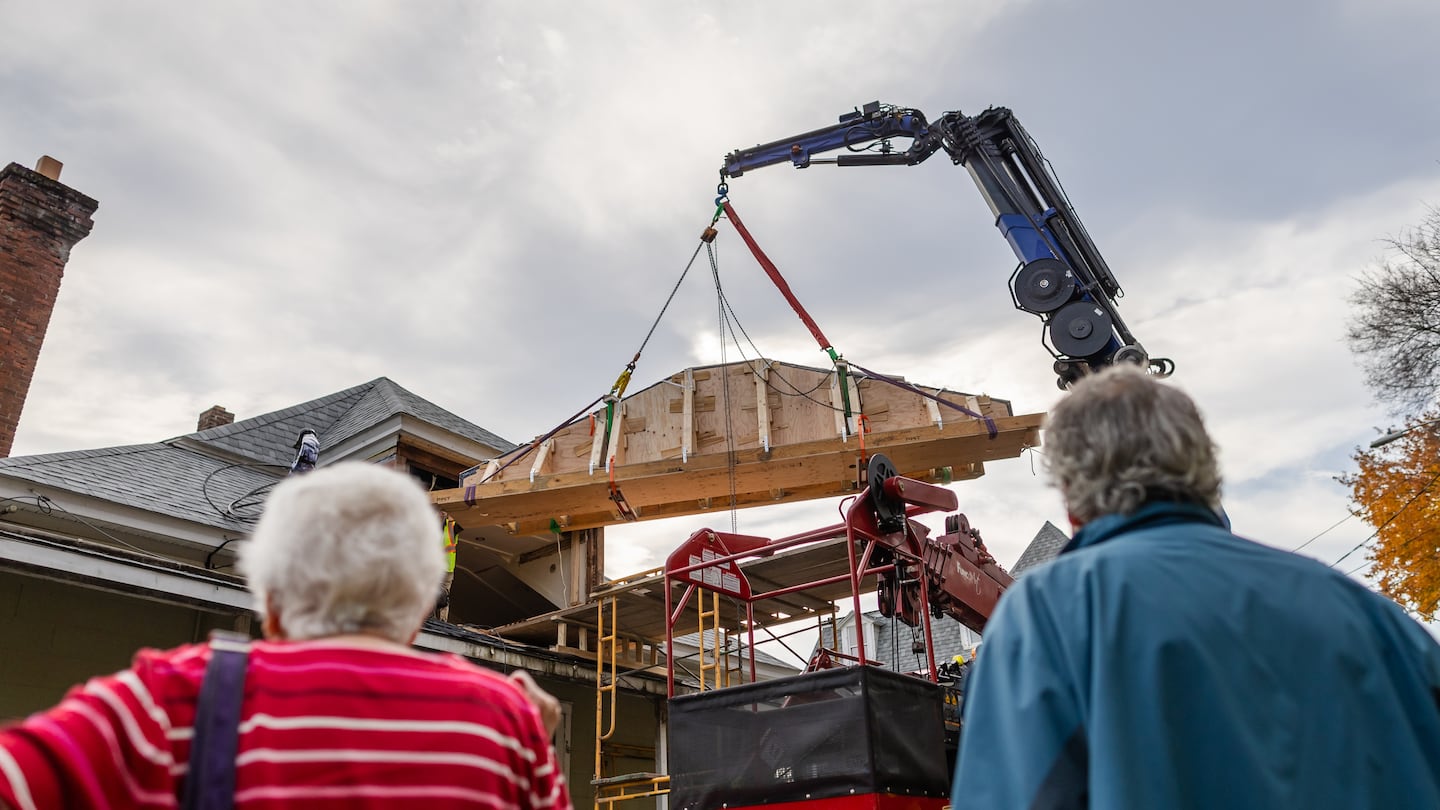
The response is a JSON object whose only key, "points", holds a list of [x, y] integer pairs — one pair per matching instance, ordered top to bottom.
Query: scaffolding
{"points": [[613, 789]]}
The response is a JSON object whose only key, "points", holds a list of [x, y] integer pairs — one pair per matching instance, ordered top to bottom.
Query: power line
{"points": [[45, 503], [1398, 513], [1323, 533], [1401, 545], [1359, 567]]}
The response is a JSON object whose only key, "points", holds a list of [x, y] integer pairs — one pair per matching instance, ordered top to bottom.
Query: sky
{"points": [[488, 202]]}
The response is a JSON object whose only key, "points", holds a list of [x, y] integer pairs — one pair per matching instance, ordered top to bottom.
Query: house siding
{"points": [[56, 635]]}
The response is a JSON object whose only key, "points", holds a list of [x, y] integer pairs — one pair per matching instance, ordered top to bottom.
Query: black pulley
{"points": [[1044, 285], [1080, 329], [1131, 353], [1067, 372], [889, 512], [957, 524]]}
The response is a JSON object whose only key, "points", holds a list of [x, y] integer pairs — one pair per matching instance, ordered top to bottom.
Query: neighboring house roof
{"points": [[270, 438], [218, 477], [172, 481], [1044, 548], [948, 636], [893, 638], [761, 657]]}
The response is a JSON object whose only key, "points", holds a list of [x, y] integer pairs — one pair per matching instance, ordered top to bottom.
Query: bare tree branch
{"points": [[1394, 330]]}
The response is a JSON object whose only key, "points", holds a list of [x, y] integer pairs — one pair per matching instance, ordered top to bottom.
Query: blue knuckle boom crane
{"points": [[1062, 278], [867, 737]]}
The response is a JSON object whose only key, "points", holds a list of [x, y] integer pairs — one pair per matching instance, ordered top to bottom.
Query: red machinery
{"points": [[919, 576], [852, 737]]}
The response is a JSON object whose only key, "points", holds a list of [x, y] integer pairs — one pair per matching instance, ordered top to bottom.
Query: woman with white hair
{"points": [[336, 708]]}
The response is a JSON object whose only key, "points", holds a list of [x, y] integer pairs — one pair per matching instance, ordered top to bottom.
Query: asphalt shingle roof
{"points": [[383, 399], [270, 438], [155, 477], [180, 479], [1044, 548], [948, 637], [761, 657]]}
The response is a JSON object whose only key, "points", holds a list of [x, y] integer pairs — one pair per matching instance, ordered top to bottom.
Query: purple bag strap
{"points": [[210, 779]]}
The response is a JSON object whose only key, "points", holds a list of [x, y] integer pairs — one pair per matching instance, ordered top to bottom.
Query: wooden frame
{"points": [[676, 452]]}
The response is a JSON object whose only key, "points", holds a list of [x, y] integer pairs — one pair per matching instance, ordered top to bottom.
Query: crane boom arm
{"points": [[1062, 277]]}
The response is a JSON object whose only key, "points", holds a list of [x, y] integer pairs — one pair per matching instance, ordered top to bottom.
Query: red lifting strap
{"points": [[774, 274]]}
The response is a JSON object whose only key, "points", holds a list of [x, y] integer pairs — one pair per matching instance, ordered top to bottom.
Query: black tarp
{"points": [[830, 733]]}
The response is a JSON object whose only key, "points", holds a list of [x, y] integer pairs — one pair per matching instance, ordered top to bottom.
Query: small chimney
{"points": [[49, 167], [40, 220], [214, 417]]}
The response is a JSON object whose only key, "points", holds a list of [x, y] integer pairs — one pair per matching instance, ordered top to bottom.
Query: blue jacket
{"points": [[1163, 662]]}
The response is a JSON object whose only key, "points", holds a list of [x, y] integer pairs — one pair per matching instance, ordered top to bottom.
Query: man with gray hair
{"points": [[1163, 662], [332, 709]]}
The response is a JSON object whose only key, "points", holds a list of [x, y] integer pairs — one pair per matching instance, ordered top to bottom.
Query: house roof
{"points": [[270, 438], [197, 477], [172, 481], [1044, 548], [947, 637], [761, 657]]}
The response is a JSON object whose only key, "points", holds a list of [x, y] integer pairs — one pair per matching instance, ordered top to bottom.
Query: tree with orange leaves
{"points": [[1397, 490]]}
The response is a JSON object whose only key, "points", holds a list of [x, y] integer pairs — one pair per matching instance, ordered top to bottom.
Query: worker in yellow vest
{"points": [[450, 536]]}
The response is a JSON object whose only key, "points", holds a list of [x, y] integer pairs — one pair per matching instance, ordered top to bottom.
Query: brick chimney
{"points": [[40, 220], [214, 417]]}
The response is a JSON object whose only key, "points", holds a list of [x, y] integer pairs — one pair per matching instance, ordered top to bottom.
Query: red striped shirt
{"points": [[324, 724]]}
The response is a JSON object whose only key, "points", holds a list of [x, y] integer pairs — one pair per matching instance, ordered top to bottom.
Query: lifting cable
{"points": [[841, 367], [901, 384], [616, 391], [730, 459], [470, 489]]}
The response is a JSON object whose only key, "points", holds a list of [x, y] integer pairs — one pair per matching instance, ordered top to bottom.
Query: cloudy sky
{"points": [[488, 202]]}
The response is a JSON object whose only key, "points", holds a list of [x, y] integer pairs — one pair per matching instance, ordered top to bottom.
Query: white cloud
{"points": [[489, 203]]}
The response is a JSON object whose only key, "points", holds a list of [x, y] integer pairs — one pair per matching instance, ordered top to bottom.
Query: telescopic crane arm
{"points": [[1062, 278]]}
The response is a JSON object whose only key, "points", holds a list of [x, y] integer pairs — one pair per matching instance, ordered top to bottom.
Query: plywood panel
{"points": [[807, 458]]}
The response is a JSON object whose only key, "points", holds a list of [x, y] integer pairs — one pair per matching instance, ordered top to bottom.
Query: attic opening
{"points": [[434, 471], [433, 480]]}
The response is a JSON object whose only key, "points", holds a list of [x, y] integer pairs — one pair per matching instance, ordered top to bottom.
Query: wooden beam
{"points": [[762, 402], [837, 406], [933, 409], [687, 420], [597, 441], [411, 451], [542, 455], [808, 470]]}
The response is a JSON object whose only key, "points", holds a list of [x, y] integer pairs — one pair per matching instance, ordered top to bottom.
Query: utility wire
{"points": [[45, 504], [229, 513], [1398, 513], [1323, 533], [1403, 544], [1359, 567]]}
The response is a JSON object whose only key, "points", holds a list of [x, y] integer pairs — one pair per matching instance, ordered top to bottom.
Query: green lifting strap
{"points": [[844, 375]]}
